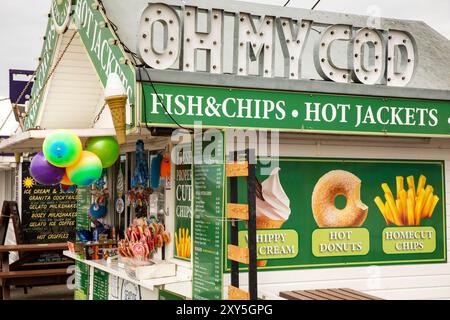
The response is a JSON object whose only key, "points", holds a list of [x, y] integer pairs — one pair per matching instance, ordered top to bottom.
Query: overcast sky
{"points": [[23, 22]]}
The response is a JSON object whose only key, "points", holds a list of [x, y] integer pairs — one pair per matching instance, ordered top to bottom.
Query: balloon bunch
{"points": [[63, 160]]}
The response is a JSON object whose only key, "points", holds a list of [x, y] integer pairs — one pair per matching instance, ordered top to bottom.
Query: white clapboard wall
{"points": [[74, 94], [420, 281]]}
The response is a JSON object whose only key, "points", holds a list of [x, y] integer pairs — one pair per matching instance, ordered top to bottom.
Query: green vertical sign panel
{"points": [[209, 194], [183, 201], [83, 205], [81, 281], [101, 285], [167, 295]]}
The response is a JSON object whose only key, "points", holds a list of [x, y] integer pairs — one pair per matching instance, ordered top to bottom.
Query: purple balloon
{"points": [[44, 172]]}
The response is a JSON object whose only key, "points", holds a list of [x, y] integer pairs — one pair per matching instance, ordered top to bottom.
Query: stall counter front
{"points": [[106, 280]]}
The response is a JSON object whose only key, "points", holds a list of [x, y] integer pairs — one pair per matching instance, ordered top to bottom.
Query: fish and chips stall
{"points": [[261, 149]]}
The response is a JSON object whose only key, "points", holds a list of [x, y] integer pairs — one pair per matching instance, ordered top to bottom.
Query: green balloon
{"points": [[106, 148]]}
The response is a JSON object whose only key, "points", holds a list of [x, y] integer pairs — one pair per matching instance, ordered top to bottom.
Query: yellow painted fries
{"points": [[407, 207], [183, 243]]}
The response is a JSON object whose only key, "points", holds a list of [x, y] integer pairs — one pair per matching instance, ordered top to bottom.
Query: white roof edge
{"points": [[32, 140]]}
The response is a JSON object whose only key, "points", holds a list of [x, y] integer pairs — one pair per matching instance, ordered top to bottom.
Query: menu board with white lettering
{"points": [[209, 182], [83, 204], [48, 213], [81, 281], [101, 285]]}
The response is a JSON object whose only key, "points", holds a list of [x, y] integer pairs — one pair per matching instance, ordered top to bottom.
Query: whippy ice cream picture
{"points": [[339, 212]]}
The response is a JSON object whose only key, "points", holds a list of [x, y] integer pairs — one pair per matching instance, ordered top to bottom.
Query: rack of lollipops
{"points": [[64, 161]]}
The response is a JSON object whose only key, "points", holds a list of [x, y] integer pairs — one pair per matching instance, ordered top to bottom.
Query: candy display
{"points": [[62, 148], [106, 148], [86, 171], [44, 172], [142, 239]]}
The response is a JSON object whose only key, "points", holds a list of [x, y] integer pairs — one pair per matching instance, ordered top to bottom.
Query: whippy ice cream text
{"points": [[308, 112]]}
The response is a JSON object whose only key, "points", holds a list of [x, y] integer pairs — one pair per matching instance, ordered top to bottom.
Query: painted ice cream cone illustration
{"points": [[116, 98], [272, 205]]}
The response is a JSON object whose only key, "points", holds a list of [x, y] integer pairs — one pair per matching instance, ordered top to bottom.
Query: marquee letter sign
{"points": [[374, 56]]}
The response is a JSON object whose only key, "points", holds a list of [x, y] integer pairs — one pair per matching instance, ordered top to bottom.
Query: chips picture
{"points": [[410, 206]]}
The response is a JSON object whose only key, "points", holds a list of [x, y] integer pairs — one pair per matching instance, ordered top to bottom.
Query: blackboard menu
{"points": [[209, 186], [48, 214], [81, 281], [101, 285]]}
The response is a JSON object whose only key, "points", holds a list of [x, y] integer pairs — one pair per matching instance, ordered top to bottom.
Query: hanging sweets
{"points": [[62, 148], [44, 172]]}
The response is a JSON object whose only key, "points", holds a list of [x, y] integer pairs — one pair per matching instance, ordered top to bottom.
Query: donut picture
{"points": [[327, 188]]}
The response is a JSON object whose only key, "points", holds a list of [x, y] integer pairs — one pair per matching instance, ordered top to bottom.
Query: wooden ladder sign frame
{"points": [[243, 212]]}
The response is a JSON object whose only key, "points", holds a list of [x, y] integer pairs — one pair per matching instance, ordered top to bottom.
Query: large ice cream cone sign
{"points": [[116, 99], [17, 157], [272, 205]]}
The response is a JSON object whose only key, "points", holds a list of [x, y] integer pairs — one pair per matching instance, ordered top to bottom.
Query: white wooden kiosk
{"points": [[335, 90]]}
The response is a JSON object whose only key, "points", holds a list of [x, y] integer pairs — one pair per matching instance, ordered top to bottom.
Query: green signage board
{"points": [[61, 11], [103, 47], [42, 73], [295, 111], [183, 201], [83, 204], [318, 212], [208, 221], [81, 281], [101, 285], [167, 295]]}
